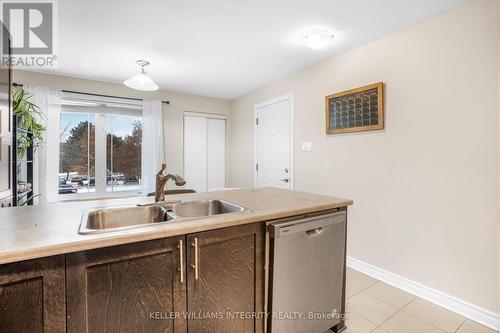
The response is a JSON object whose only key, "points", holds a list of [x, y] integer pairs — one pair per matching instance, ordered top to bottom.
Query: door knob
{"points": [[284, 180]]}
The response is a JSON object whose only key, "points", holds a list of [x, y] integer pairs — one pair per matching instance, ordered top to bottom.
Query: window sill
{"points": [[80, 197]]}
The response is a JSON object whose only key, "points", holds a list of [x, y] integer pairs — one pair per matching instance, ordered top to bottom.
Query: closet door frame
{"points": [[207, 116]]}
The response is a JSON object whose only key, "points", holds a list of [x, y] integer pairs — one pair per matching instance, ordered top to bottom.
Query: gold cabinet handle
{"points": [[181, 259], [196, 259]]}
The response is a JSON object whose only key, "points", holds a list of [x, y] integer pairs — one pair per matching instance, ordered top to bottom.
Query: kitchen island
{"points": [[149, 279]]}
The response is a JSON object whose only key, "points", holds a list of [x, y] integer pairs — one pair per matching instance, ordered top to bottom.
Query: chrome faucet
{"points": [[161, 181]]}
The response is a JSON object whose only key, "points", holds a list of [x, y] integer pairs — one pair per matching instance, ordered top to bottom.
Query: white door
{"points": [[274, 143], [216, 145], [195, 153], [204, 153]]}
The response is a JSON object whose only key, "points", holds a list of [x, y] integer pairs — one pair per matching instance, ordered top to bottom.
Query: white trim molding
{"points": [[205, 115], [463, 308]]}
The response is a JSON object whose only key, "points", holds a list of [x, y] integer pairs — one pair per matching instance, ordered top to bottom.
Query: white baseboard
{"points": [[463, 308]]}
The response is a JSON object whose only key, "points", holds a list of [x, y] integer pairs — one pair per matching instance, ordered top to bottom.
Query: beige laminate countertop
{"points": [[41, 231]]}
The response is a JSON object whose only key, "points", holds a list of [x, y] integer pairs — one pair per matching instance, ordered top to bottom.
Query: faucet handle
{"points": [[163, 166]]}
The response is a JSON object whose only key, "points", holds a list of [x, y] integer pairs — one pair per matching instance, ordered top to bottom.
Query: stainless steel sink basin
{"points": [[202, 208], [124, 217], [109, 219]]}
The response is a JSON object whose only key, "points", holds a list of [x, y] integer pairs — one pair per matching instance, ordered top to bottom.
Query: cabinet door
{"points": [[226, 279], [130, 288], [32, 296]]}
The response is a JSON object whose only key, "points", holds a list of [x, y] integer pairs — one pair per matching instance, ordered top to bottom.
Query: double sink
{"points": [[109, 219]]}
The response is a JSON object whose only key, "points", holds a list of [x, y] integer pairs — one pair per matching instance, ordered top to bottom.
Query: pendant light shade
{"points": [[141, 81]]}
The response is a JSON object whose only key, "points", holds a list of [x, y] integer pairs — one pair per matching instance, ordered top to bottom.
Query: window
{"points": [[99, 146], [77, 153], [123, 153]]}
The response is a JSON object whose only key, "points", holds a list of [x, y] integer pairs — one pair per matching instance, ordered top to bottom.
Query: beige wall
{"points": [[173, 112], [498, 165], [424, 189]]}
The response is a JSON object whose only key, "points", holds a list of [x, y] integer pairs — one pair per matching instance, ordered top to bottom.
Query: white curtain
{"points": [[153, 144], [46, 157]]}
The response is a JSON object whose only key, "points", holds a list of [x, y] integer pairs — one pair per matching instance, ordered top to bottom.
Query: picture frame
{"points": [[355, 110]]}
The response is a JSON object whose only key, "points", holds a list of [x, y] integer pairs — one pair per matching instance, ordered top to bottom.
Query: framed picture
{"points": [[355, 110]]}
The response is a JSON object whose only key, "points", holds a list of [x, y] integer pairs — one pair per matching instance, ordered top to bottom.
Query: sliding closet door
{"points": [[195, 153], [204, 153], [216, 153]]}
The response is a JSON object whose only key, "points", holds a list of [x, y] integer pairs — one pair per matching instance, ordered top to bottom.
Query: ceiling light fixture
{"points": [[318, 38], [141, 81]]}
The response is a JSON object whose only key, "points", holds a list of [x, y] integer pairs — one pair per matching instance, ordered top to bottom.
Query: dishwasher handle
{"points": [[314, 232]]}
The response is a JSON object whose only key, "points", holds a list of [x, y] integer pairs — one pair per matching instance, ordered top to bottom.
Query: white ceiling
{"points": [[218, 48]]}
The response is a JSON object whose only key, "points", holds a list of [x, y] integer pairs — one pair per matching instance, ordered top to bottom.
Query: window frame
{"points": [[103, 108]]}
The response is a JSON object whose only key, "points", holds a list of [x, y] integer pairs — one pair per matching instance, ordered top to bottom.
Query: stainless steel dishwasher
{"points": [[306, 273]]}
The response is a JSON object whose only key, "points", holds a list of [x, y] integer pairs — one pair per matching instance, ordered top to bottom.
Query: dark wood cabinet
{"points": [[226, 279], [206, 282], [129, 288], [32, 296]]}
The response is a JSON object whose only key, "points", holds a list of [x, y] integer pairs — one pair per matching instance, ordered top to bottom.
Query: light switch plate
{"points": [[306, 146]]}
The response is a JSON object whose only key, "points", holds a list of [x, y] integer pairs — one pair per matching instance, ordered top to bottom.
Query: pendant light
{"points": [[141, 81]]}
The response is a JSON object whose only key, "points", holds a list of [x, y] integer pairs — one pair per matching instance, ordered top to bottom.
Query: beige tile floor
{"points": [[375, 307]]}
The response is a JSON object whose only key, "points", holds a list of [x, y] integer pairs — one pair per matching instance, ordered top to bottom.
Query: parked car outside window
{"points": [[67, 189]]}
